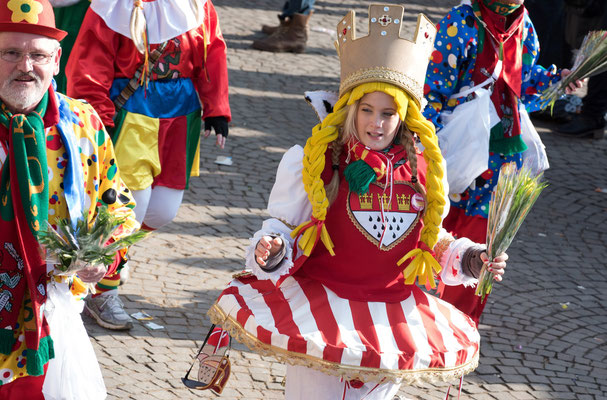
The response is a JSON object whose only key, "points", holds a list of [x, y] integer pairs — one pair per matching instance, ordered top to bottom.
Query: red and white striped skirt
{"points": [[420, 339]]}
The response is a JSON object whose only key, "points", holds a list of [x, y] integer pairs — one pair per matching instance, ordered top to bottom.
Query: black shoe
{"points": [[583, 126]]}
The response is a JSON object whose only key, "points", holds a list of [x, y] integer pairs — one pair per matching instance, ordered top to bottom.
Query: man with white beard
{"points": [[56, 162]]}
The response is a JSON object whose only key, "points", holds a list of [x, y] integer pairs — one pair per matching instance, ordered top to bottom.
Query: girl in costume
{"points": [[356, 220]]}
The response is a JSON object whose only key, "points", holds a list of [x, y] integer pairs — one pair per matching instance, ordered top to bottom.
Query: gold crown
{"points": [[382, 55], [386, 199], [365, 201], [403, 201]]}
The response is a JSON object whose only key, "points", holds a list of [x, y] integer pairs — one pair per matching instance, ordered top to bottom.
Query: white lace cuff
{"points": [[271, 227]]}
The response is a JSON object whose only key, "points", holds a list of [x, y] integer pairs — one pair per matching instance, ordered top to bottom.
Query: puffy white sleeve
{"points": [[288, 207], [449, 251]]}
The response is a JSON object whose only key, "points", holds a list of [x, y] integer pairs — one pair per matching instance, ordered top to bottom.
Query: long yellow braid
{"points": [[313, 166], [423, 264]]}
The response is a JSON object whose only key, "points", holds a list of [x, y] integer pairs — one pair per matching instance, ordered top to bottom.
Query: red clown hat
{"points": [[29, 16]]}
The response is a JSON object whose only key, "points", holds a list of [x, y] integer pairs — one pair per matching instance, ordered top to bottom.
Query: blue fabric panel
{"points": [[163, 99]]}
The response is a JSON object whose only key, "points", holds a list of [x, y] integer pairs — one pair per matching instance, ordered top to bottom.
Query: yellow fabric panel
{"points": [[137, 151], [196, 163], [100, 174]]}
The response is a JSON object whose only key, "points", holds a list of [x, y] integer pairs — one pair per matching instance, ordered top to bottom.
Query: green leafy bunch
{"points": [[590, 60], [514, 195], [88, 244]]}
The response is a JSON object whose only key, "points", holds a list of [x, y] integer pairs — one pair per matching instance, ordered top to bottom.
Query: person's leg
{"points": [[292, 7], [292, 33], [595, 102], [591, 121], [142, 200], [162, 208], [105, 306], [306, 383]]}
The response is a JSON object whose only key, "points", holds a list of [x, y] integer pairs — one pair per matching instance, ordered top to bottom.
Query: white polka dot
{"points": [[386, 9], [452, 60], [86, 146], [455, 197], [87, 202], [6, 375]]}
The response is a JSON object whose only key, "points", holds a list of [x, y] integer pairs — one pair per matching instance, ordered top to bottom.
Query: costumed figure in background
{"points": [[68, 17], [484, 45], [149, 82], [56, 162], [355, 221]]}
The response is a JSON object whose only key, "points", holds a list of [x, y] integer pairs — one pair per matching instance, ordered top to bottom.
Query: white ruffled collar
{"points": [[165, 19]]}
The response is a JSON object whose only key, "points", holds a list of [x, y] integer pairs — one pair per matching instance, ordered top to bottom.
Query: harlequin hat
{"points": [[29, 16]]}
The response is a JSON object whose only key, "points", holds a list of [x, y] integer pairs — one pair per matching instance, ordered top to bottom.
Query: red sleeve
{"points": [[90, 67], [213, 92]]}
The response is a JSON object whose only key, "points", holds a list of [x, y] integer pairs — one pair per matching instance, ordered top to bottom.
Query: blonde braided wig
{"points": [[423, 266]]}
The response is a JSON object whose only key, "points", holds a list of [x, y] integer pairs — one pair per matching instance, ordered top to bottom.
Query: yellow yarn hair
{"points": [[423, 266]]}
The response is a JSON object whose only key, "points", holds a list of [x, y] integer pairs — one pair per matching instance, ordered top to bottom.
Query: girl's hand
{"points": [[573, 86], [266, 248], [497, 266]]}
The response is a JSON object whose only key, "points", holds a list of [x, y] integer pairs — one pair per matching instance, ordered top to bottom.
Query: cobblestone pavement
{"points": [[544, 332]]}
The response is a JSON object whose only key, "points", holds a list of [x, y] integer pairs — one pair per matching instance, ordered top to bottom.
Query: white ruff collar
{"points": [[165, 19]]}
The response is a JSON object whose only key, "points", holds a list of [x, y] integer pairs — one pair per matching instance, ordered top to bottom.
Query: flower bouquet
{"points": [[591, 59], [514, 195], [74, 248]]}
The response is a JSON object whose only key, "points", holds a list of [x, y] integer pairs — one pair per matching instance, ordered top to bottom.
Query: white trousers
{"points": [[158, 206], [309, 384]]}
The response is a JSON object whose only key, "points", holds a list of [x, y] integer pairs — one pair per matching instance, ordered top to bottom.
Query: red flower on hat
{"points": [[25, 10]]}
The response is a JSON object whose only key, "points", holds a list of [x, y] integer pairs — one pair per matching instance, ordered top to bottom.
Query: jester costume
{"points": [[68, 18], [471, 39], [160, 122], [156, 133], [68, 136]]}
